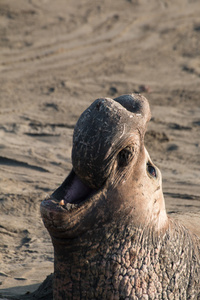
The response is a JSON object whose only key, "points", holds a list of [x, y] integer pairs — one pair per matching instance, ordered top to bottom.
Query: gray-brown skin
{"points": [[112, 238]]}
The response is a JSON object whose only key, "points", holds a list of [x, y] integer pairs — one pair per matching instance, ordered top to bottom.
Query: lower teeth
{"points": [[67, 206]]}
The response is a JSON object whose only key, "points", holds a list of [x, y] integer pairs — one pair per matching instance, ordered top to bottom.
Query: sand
{"points": [[56, 57]]}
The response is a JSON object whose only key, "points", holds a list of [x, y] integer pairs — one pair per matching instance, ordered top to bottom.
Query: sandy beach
{"points": [[56, 58]]}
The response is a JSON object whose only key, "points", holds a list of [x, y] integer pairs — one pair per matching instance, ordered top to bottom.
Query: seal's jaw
{"points": [[72, 209]]}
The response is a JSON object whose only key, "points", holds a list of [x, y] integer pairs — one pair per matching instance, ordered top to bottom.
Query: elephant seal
{"points": [[111, 235]]}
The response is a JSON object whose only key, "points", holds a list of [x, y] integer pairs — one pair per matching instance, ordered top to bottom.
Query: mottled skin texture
{"points": [[112, 238], [128, 264]]}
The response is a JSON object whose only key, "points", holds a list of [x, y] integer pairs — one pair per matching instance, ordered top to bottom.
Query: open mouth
{"points": [[72, 193], [64, 211]]}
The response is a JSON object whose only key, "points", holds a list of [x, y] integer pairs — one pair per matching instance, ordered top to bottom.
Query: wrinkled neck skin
{"points": [[124, 262]]}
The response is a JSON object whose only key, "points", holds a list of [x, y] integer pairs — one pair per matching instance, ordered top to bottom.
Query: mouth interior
{"points": [[73, 190], [77, 192]]}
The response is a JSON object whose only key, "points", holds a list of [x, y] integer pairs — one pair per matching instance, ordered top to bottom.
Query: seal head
{"points": [[113, 178]]}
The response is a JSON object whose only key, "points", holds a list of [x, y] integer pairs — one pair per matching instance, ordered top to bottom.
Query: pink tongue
{"points": [[77, 192]]}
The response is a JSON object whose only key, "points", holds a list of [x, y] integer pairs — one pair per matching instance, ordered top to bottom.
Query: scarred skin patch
{"points": [[111, 235]]}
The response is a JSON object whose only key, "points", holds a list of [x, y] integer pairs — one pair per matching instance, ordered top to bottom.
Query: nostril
{"points": [[98, 105], [151, 170]]}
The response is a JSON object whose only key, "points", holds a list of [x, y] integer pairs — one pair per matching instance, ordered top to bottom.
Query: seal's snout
{"points": [[136, 104], [100, 133]]}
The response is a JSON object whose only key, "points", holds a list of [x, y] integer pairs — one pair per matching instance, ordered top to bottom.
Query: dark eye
{"points": [[125, 156], [151, 170]]}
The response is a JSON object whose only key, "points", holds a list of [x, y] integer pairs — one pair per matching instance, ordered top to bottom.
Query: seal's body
{"points": [[111, 235]]}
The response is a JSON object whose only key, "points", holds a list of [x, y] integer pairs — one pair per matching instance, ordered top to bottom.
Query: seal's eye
{"points": [[125, 156], [151, 170]]}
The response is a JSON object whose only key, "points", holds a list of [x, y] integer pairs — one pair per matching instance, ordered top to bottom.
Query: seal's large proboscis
{"points": [[111, 235]]}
